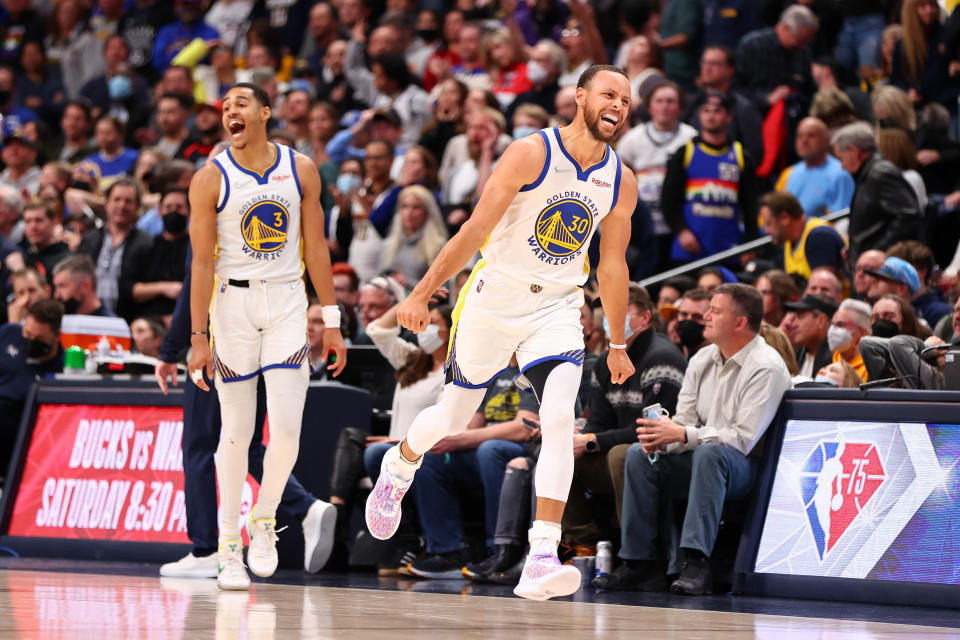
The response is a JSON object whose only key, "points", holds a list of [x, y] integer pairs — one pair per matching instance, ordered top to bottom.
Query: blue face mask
{"points": [[120, 87], [522, 132], [347, 182], [627, 331], [825, 380]]}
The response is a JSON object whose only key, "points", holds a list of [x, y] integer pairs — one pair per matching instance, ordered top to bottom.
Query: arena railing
{"points": [[723, 256]]}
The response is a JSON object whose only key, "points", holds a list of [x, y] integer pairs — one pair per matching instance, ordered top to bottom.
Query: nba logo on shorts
{"points": [[479, 286], [837, 480]]}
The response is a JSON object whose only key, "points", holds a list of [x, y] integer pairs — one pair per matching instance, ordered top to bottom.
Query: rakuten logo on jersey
{"points": [[600, 183]]}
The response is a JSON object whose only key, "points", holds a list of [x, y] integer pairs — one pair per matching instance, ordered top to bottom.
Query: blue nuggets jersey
{"points": [[258, 219], [545, 232]]}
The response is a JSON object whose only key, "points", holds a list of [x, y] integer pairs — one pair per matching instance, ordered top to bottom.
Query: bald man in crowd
{"points": [[818, 181]]}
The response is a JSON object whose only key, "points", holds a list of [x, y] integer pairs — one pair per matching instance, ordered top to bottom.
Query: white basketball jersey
{"points": [[258, 220], [545, 232]]}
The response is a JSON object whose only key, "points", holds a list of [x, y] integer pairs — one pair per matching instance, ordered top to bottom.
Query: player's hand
{"points": [[413, 314], [333, 341], [201, 363], [620, 366], [165, 370]]}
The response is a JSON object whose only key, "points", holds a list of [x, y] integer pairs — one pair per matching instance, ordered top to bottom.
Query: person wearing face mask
{"points": [[547, 60], [529, 118], [160, 278], [75, 286], [690, 312], [849, 325], [27, 352], [612, 413]]}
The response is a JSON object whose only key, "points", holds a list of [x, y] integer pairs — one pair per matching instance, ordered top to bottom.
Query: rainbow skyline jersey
{"points": [[258, 219], [545, 232]]}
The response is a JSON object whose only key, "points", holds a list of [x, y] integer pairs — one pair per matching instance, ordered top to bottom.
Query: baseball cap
{"points": [[712, 96], [390, 115], [19, 138], [898, 270], [814, 302]]}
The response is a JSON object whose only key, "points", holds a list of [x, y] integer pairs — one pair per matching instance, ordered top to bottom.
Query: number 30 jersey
{"points": [[258, 219], [545, 232]]}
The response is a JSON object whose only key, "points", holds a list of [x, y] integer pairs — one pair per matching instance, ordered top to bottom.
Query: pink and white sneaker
{"points": [[383, 505], [543, 577]]}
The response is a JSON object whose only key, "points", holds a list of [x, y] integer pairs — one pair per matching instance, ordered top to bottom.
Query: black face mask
{"points": [[428, 35], [4, 97], [175, 223], [71, 305], [884, 328], [691, 333], [36, 349]]}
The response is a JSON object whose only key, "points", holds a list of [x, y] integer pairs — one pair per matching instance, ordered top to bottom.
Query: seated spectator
{"points": [[546, 62], [505, 66], [470, 69], [565, 106], [833, 108], [173, 114], [447, 119], [527, 119], [76, 124], [895, 145], [483, 147], [19, 155], [113, 159], [419, 168], [349, 181], [818, 181], [416, 235], [808, 243], [366, 244], [41, 248], [868, 261], [897, 277], [710, 278], [824, 280], [158, 281], [28, 285], [75, 285], [346, 286], [776, 288], [673, 289], [376, 297], [929, 301], [691, 311], [893, 316], [806, 325], [849, 325], [147, 335], [777, 339], [838, 374], [613, 410], [707, 452]]}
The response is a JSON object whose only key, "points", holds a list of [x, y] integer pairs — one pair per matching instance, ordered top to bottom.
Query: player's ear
{"points": [[265, 114]]}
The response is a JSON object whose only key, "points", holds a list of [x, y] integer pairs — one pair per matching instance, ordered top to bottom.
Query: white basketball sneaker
{"points": [[383, 504], [318, 532], [262, 554], [190, 566], [232, 573], [543, 576]]}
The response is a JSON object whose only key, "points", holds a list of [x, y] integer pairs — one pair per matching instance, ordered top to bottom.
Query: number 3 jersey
{"points": [[258, 219], [545, 232]]}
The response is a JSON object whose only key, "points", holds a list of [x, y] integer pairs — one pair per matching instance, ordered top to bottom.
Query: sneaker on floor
{"points": [[383, 504], [318, 535], [262, 554], [502, 559], [397, 563], [190, 566], [440, 566], [232, 573], [632, 575], [508, 577], [544, 577]]}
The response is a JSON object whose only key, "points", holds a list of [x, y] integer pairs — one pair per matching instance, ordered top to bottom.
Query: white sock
{"points": [[544, 537]]}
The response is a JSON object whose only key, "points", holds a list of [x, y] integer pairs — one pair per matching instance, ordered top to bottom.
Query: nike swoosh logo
{"points": [[559, 170]]}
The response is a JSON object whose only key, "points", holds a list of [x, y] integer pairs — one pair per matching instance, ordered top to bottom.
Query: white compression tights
{"points": [[286, 393], [451, 414], [555, 464]]}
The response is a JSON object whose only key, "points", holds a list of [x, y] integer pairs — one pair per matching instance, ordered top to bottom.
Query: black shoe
{"points": [[505, 557], [397, 563], [440, 566], [632, 575], [509, 577], [695, 579]]}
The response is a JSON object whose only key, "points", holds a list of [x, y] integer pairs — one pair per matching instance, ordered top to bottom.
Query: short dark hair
{"points": [[728, 53], [394, 67], [588, 74], [656, 85], [259, 94], [185, 102], [81, 103], [114, 122], [125, 182], [168, 190], [782, 202], [43, 206], [916, 253], [29, 271], [681, 283], [697, 294], [747, 301], [47, 311], [156, 327]]}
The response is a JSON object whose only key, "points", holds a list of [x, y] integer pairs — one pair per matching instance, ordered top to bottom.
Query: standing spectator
{"points": [[725, 22], [67, 23], [19, 24], [139, 26], [323, 28], [680, 31], [175, 36], [858, 43], [922, 59], [440, 64], [506, 67], [543, 68], [828, 74], [332, 84], [39, 87], [116, 88], [394, 88], [173, 114], [296, 116], [447, 119], [76, 124], [895, 145], [646, 149], [113, 159], [22, 173], [818, 181], [710, 188], [884, 208], [416, 235], [808, 243], [40, 244], [366, 244], [118, 248], [824, 280], [158, 281], [75, 285], [28, 286], [776, 288], [806, 325], [708, 451]]}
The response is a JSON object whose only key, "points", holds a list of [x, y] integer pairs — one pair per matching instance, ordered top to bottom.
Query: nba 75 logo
{"points": [[837, 481]]}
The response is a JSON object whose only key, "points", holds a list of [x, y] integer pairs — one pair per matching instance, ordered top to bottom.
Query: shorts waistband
{"points": [[246, 284], [531, 284]]}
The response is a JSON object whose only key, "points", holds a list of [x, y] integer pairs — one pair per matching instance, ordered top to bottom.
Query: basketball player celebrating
{"points": [[547, 196], [253, 206]]}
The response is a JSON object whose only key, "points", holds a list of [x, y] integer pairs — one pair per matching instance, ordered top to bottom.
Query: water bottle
{"points": [[604, 562]]}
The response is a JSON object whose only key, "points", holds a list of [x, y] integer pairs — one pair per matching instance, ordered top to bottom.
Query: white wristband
{"points": [[331, 316], [618, 346]]}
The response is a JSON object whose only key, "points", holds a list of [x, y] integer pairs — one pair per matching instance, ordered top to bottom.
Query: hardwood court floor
{"points": [[66, 606]]}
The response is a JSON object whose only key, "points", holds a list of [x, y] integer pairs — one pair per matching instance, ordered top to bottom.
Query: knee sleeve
{"points": [[286, 394], [238, 406], [450, 415], [555, 465]]}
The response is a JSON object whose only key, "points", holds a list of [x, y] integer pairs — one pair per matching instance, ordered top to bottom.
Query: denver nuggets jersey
{"points": [[258, 219], [545, 232]]}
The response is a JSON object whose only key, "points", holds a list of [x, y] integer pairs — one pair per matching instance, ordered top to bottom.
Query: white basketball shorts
{"points": [[498, 315], [258, 327]]}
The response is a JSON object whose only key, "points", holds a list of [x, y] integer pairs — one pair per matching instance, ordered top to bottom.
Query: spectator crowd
{"points": [[829, 127]]}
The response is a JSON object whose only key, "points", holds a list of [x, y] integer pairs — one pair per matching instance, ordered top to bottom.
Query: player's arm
{"points": [[520, 165], [204, 193], [316, 254], [613, 276]]}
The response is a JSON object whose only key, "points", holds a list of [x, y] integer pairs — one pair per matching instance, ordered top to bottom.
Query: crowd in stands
{"points": [[747, 119]]}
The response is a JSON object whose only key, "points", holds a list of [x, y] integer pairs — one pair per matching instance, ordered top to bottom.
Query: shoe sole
{"points": [[321, 552], [254, 569], [194, 573], [451, 574], [563, 582], [233, 587], [683, 592]]}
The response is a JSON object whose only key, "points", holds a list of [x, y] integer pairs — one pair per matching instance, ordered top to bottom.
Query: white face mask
{"points": [[535, 72], [839, 338], [430, 339]]}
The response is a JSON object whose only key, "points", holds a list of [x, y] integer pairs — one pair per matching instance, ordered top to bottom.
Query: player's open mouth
{"points": [[613, 121], [236, 126]]}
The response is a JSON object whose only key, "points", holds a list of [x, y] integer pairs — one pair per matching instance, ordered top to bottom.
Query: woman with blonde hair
{"points": [[888, 44], [921, 60], [506, 66], [893, 108], [416, 235]]}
